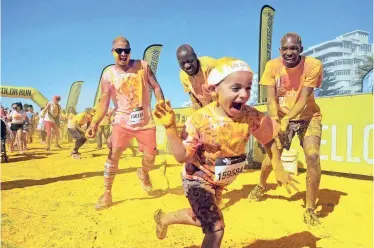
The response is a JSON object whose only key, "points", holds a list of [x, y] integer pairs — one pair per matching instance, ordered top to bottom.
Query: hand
{"points": [[165, 114], [284, 124], [91, 131], [285, 179]]}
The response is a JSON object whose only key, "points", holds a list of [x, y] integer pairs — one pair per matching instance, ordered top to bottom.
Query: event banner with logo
{"points": [[266, 32], [152, 55], [75, 91], [98, 91], [24, 92], [347, 143]]}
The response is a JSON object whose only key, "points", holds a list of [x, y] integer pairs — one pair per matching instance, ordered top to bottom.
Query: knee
{"points": [[114, 155], [312, 156], [149, 159], [266, 163]]}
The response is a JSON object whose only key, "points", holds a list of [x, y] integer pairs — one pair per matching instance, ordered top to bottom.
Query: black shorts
{"points": [[14, 127], [203, 202]]}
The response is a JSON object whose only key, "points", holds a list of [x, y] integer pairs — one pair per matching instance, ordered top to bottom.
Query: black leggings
{"points": [[79, 137]]}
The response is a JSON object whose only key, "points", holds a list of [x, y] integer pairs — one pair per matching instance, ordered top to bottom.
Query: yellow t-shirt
{"points": [[289, 83], [198, 85], [79, 120], [211, 137]]}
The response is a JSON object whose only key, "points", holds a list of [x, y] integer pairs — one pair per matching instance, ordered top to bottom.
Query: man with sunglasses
{"points": [[193, 75], [290, 81], [127, 83]]}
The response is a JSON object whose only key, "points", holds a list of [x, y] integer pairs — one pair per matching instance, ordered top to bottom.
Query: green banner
{"points": [[266, 32], [152, 55], [75, 91], [98, 91]]}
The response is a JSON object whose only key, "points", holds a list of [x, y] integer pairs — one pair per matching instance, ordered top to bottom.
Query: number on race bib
{"points": [[137, 116], [227, 169]]}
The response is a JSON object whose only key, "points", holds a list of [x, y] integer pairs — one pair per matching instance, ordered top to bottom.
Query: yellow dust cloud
{"points": [[48, 200]]}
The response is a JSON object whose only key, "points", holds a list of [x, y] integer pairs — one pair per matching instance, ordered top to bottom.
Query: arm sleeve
{"points": [[268, 77], [313, 77], [184, 82], [262, 127], [191, 143]]}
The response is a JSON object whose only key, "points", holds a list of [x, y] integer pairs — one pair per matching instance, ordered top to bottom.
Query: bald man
{"points": [[193, 75], [290, 81], [127, 83]]}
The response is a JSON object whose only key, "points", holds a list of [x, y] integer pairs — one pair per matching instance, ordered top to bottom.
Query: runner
{"points": [[193, 75], [291, 80], [127, 83], [51, 113], [70, 115], [17, 118], [30, 128], [41, 128], [223, 128], [75, 129], [103, 129]]}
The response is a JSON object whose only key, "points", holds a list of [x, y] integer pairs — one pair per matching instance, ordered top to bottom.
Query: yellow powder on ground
{"points": [[48, 200]]}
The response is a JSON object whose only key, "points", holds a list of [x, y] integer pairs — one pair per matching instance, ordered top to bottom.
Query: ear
{"points": [[301, 49], [212, 90]]}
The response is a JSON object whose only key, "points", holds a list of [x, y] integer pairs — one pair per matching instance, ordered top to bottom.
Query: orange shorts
{"points": [[146, 138]]}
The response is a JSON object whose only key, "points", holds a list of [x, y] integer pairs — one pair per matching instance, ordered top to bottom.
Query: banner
{"points": [[266, 32], [151, 55], [98, 91], [24, 92], [73, 97], [347, 144]]}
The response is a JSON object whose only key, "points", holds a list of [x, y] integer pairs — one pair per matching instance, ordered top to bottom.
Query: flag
{"points": [[266, 31], [151, 55], [98, 91], [73, 97]]}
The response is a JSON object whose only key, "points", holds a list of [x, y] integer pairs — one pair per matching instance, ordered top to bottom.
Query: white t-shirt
{"points": [[18, 117], [40, 125]]}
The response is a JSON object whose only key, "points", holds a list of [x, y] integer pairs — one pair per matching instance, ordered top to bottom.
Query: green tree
{"points": [[364, 69], [328, 82]]}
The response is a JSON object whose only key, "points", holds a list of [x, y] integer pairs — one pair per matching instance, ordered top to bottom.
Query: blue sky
{"points": [[49, 44]]}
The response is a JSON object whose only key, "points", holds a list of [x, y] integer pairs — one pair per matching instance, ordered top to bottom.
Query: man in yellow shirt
{"points": [[193, 75], [290, 81], [75, 129]]}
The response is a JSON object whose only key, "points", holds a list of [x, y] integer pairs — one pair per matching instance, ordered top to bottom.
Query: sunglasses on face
{"points": [[119, 51]]}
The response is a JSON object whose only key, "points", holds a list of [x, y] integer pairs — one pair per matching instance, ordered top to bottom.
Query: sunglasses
{"points": [[121, 50]]}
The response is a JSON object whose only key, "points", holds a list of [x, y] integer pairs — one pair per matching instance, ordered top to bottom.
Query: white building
{"points": [[341, 58], [254, 91], [187, 104]]}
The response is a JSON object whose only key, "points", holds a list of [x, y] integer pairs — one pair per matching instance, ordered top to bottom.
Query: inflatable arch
{"points": [[24, 92]]}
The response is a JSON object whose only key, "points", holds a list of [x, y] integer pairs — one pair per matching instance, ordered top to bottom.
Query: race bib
{"points": [[137, 116], [227, 169]]}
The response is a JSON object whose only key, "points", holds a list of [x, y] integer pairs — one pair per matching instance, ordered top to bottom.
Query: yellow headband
{"points": [[224, 67]]}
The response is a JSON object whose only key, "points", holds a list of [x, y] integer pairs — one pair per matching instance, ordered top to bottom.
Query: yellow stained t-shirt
{"points": [[289, 83], [197, 84], [78, 120], [211, 137]]}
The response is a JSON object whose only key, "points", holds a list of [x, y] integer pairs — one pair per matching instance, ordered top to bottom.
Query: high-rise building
{"points": [[341, 58]]}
